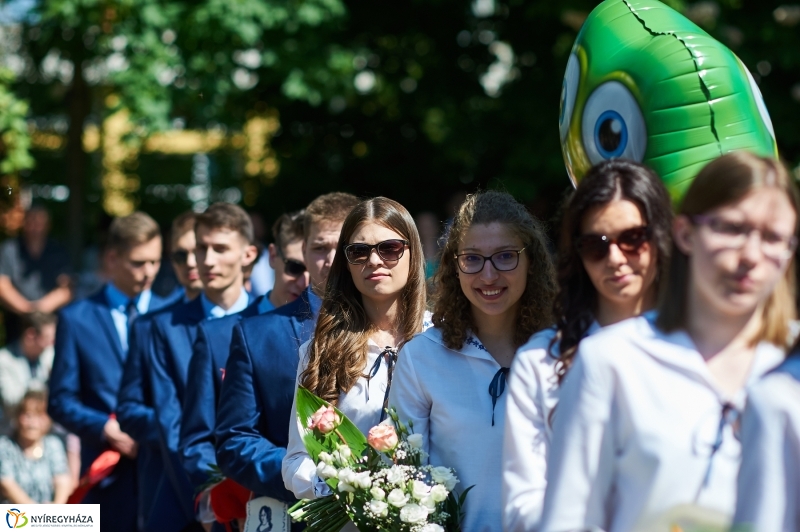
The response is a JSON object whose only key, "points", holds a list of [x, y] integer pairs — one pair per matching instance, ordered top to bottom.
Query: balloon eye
{"points": [[569, 92], [612, 125], [610, 134]]}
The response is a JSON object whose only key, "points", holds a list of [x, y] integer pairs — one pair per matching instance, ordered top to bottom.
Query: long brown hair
{"points": [[726, 181], [575, 306], [452, 313], [338, 351]]}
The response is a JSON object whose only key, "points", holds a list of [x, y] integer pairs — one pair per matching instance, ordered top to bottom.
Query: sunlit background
{"points": [[109, 106]]}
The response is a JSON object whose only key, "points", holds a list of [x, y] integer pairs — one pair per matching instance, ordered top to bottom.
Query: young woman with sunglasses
{"points": [[614, 241], [494, 289], [374, 303], [648, 413]]}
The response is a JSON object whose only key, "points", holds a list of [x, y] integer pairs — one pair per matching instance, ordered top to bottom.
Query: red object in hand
{"points": [[100, 469], [229, 501]]}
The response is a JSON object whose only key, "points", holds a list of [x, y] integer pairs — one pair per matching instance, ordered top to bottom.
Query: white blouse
{"points": [[445, 393], [532, 396], [362, 405], [642, 428], [769, 479]]}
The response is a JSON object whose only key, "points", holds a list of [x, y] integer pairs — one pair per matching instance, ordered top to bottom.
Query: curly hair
{"points": [[576, 303], [452, 312], [337, 353]]}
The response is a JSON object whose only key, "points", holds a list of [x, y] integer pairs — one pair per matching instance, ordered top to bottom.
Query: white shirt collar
{"points": [[213, 311]]}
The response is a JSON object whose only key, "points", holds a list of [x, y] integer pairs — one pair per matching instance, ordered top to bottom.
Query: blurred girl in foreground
{"points": [[614, 242], [647, 414]]}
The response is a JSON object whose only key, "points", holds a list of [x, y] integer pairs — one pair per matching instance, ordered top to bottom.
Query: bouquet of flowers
{"points": [[378, 481]]}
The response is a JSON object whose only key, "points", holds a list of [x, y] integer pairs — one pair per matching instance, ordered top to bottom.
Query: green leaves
{"points": [[14, 137], [307, 404]]}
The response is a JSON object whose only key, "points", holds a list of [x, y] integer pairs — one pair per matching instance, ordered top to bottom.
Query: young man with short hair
{"points": [[224, 247], [212, 346], [90, 351], [256, 398], [158, 503]]}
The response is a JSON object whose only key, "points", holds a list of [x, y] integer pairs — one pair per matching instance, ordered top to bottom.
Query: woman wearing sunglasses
{"points": [[614, 241], [494, 289], [374, 303], [647, 418]]}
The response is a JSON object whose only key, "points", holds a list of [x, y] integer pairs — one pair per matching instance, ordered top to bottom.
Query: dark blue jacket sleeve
{"points": [[65, 405], [134, 405], [199, 411], [243, 453]]}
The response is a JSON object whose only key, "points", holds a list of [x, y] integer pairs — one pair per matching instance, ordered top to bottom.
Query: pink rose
{"points": [[324, 420], [382, 438]]}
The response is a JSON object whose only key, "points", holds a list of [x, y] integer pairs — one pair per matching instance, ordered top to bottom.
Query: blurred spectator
{"points": [[429, 233], [34, 272], [261, 277], [25, 363], [33, 464]]}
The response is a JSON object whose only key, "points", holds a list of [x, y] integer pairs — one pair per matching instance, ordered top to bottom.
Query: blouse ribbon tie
{"points": [[389, 354], [497, 387], [729, 416]]}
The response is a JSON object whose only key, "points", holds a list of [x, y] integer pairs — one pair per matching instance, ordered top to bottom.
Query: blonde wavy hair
{"points": [[452, 312], [337, 353]]}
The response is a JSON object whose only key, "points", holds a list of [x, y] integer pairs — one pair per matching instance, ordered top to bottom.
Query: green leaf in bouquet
{"points": [[307, 404], [454, 505]]}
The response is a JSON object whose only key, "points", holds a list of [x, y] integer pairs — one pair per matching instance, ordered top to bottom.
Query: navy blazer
{"points": [[170, 350], [209, 356], [87, 371], [84, 382], [256, 399], [158, 509]]}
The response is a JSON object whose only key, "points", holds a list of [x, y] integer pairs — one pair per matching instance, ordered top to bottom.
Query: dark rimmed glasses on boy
{"points": [[389, 250], [503, 261]]}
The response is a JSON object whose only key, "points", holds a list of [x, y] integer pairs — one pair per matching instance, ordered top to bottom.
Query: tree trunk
{"points": [[78, 104]]}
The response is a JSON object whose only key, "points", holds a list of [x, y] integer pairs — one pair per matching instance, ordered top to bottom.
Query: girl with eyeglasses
{"points": [[614, 241], [494, 289], [374, 303], [647, 418]]}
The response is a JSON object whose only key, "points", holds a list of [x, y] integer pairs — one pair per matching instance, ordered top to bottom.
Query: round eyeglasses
{"points": [[728, 234], [388, 250], [503, 261]]}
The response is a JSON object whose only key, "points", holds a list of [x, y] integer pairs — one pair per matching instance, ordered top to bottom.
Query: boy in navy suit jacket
{"points": [[224, 247], [212, 347], [90, 352], [256, 398], [159, 505]]}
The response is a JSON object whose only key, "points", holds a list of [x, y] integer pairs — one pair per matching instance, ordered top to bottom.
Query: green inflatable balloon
{"points": [[645, 83]]}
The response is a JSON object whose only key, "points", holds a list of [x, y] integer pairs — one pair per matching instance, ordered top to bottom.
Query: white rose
{"points": [[415, 441], [326, 457], [325, 471], [395, 475], [444, 475], [347, 480], [362, 480], [419, 490], [377, 493], [439, 493], [397, 498], [429, 504], [379, 508], [413, 513], [431, 527]]}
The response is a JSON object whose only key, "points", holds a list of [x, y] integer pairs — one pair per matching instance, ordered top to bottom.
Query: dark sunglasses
{"points": [[596, 247], [388, 250], [180, 257], [293, 268]]}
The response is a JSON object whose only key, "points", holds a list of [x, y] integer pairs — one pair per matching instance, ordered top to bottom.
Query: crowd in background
{"points": [[603, 386]]}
